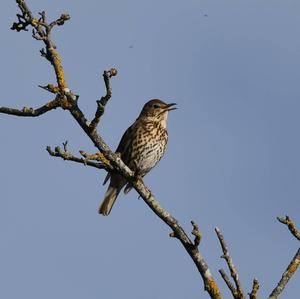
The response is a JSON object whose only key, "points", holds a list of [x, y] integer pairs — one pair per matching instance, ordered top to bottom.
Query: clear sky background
{"points": [[232, 161]]}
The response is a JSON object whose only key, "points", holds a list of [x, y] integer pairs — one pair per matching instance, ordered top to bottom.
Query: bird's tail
{"points": [[115, 186], [109, 200]]}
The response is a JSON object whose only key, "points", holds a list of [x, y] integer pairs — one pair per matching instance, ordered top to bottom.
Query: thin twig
{"points": [[61, 20], [42, 31], [103, 101], [30, 112], [66, 155], [291, 226], [196, 232], [293, 266], [286, 276], [228, 282], [255, 287], [238, 294]]}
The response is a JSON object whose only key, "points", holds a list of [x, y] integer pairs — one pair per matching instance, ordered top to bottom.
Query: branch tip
{"points": [[61, 20], [42, 31], [112, 72], [50, 87], [103, 101], [65, 145], [66, 155], [291, 226], [196, 232], [172, 235], [233, 271], [255, 287]]}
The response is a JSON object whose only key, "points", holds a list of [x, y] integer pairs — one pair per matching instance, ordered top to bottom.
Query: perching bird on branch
{"points": [[141, 147]]}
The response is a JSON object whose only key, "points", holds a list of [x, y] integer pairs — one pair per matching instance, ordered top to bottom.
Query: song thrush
{"points": [[141, 148]]}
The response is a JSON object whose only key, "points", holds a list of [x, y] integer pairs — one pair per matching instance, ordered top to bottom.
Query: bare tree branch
{"points": [[60, 21], [42, 31], [103, 101], [30, 112], [68, 156], [291, 226], [177, 231], [293, 266], [286, 276], [228, 282], [255, 287], [237, 292]]}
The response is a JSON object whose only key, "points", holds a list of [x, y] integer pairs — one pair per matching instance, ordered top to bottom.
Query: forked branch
{"points": [[103, 101], [293, 265], [237, 291]]}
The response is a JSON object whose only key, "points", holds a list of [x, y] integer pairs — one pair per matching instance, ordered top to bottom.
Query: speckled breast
{"points": [[151, 147]]}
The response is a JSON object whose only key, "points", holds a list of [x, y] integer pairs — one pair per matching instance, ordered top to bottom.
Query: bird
{"points": [[141, 147]]}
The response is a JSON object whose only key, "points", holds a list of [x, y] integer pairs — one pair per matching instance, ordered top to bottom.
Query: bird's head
{"points": [[157, 110]]}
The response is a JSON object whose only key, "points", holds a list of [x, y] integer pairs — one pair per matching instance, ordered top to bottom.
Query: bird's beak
{"points": [[170, 107]]}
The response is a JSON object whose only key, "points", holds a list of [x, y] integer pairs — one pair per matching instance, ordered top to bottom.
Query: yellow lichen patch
{"points": [[34, 22], [60, 75], [96, 157], [103, 159], [213, 288]]}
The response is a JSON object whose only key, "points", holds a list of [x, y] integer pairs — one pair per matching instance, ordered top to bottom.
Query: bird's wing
{"points": [[125, 140], [124, 147]]}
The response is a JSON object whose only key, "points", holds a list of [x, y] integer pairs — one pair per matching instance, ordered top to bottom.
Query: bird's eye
{"points": [[155, 106]]}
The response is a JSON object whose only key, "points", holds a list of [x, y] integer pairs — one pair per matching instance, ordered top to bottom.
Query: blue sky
{"points": [[232, 159]]}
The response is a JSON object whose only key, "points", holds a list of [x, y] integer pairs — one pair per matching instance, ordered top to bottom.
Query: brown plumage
{"points": [[141, 147]]}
